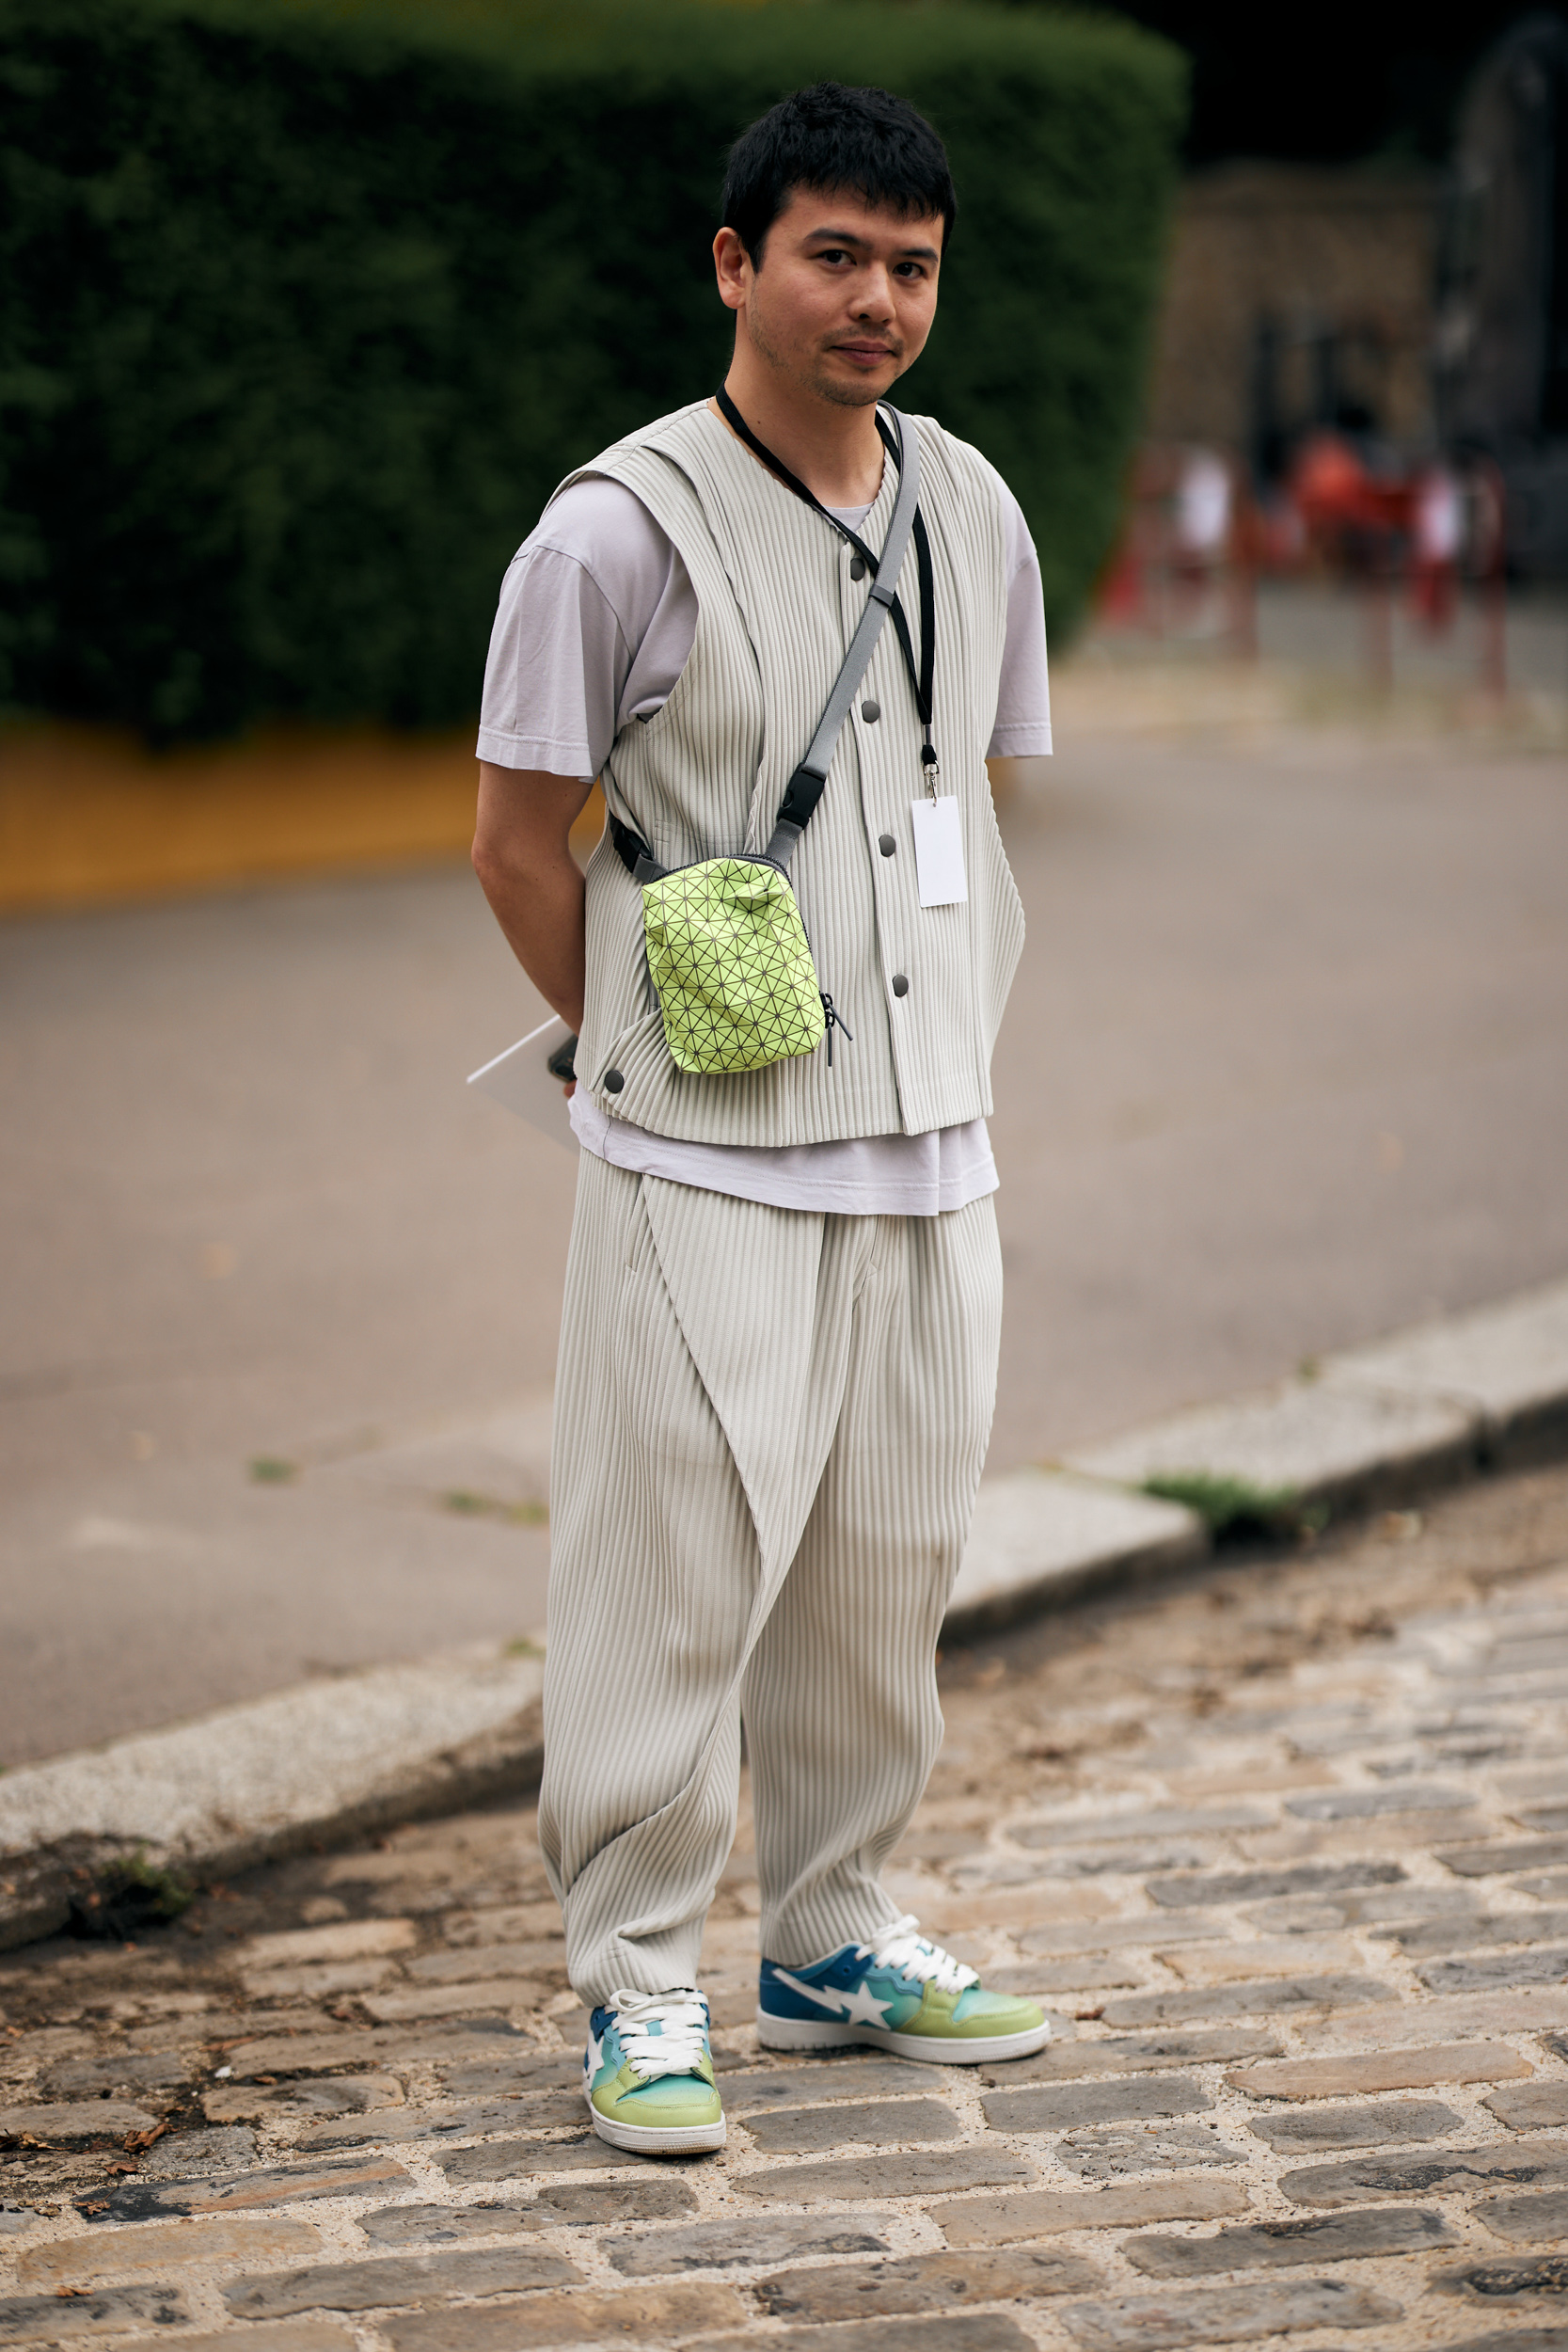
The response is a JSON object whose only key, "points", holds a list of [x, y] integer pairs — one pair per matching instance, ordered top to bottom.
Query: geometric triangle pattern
{"points": [[732, 965]]}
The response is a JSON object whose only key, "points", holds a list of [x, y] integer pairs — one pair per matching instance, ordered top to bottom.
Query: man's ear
{"points": [[732, 268]]}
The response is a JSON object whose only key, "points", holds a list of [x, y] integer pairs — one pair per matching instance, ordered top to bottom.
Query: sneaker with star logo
{"points": [[901, 1993], [647, 2074]]}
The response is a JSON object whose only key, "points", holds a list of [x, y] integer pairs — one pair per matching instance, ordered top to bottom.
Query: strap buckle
{"points": [[634, 852]]}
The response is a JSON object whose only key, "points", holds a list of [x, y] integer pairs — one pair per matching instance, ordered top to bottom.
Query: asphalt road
{"points": [[1286, 1066]]}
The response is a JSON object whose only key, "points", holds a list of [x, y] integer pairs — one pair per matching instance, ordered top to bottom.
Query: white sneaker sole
{"points": [[805, 2033], [641, 2140]]}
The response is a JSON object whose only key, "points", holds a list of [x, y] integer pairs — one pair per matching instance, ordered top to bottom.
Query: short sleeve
{"points": [[596, 602], [550, 682], [1021, 728]]}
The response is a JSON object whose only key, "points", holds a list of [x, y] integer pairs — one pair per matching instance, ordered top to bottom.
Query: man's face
{"points": [[845, 298]]}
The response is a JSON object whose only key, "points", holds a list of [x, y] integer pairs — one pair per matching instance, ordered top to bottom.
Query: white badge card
{"points": [[938, 852]]}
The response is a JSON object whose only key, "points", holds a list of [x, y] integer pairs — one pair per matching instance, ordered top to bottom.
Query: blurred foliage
{"points": [[310, 303]]}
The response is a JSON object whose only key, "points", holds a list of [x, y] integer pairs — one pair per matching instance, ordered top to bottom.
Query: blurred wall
{"points": [[1320, 280]]}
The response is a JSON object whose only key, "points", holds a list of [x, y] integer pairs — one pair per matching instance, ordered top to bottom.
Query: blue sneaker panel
{"points": [[843, 1988], [603, 2028], [612, 2056]]}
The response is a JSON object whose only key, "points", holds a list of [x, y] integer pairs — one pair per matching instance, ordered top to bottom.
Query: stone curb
{"points": [[1371, 1428], [1363, 1431], [1041, 1538], [322, 1764], [311, 1766]]}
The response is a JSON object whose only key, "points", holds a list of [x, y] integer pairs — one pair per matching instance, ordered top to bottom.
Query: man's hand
{"points": [[523, 857]]}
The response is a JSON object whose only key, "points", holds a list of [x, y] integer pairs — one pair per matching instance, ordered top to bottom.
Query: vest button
{"points": [[857, 567], [871, 713], [886, 843], [900, 985], [613, 1081]]}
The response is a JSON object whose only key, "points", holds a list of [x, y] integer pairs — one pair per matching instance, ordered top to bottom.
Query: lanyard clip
{"points": [[930, 766]]}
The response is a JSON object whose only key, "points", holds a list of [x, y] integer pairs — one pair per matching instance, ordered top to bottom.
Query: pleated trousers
{"points": [[770, 1430]]}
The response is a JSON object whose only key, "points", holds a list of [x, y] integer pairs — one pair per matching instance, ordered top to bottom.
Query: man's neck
{"points": [[837, 451]]}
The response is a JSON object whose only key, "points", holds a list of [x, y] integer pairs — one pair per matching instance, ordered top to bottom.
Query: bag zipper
{"points": [[833, 1019]]}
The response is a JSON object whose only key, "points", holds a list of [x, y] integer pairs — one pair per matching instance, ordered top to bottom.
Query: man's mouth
{"points": [[866, 355]]}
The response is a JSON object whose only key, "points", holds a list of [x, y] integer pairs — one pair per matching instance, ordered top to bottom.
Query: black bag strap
{"points": [[805, 786]]}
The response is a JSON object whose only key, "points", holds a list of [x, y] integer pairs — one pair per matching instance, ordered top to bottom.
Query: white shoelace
{"points": [[902, 1946], [679, 2045]]}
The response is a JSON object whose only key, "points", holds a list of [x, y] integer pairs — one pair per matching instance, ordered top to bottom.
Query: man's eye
{"points": [[834, 253]]}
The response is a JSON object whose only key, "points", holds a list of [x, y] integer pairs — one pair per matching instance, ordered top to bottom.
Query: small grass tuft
{"points": [[267, 1470], [473, 1506], [1236, 1510], [523, 1648], [127, 1896]]}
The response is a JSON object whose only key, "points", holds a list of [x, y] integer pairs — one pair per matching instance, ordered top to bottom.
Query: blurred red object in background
{"points": [[1349, 512]]}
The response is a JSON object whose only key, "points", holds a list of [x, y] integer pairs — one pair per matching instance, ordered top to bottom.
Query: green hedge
{"points": [[308, 307]]}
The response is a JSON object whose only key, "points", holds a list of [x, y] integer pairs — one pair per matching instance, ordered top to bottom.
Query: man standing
{"points": [[779, 1347]]}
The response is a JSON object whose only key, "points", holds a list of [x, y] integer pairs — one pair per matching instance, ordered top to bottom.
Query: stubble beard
{"points": [[838, 391]]}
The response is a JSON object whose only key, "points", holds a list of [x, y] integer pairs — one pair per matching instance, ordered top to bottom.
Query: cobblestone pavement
{"points": [[1285, 1850]]}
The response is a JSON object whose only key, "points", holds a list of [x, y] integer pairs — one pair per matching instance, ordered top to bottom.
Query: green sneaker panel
{"points": [[668, 2102]]}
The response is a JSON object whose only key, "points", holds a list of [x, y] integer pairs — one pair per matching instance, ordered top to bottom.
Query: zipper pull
{"points": [[834, 1021]]}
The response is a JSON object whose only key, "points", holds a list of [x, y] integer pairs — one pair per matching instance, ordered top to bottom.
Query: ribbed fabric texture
{"points": [[777, 607], [770, 1430]]}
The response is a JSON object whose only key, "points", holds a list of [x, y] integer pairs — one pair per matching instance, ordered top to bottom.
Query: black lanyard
{"points": [[920, 674]]}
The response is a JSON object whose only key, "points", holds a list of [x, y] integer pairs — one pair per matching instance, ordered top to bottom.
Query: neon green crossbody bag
{"points": [[727, 950]]}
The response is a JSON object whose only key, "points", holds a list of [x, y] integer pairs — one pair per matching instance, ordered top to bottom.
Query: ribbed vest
{"points": [[776, 609]]}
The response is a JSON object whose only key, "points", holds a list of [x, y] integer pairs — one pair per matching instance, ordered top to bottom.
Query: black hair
{"points": [[832, 137]]}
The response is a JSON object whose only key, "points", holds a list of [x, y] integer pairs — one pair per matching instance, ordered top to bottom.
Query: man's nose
{"points": [[875, 295]]}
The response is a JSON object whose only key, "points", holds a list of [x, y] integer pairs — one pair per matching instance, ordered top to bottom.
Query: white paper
{"points": [[938, 852], [521, 1079]]}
